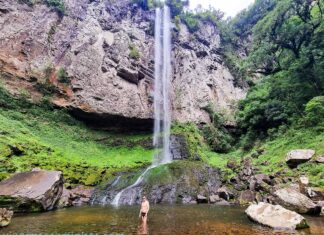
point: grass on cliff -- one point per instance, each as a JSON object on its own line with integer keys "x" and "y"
{"x": 41, "y": 136}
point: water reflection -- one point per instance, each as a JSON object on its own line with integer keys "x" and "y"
{"x": 163, "y": 220}
{"x": 142, "y": 228}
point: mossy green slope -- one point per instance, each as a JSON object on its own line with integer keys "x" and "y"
{"x": 40, "y": 136}
{"x": 272, "y": 158}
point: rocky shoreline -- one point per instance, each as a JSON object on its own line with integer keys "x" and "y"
{"x": 189, "y": 182}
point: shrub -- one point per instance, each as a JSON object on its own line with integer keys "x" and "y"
{"x": 46, "y": 87}
{"x": 216, "y": 135}
{"x": 314, "y": 110}
{"x": 191, "y": 21}
{"x": 134, "y": 53}
{"x": 176, "y": 6}
{"x": 58, "y": 5}
{"x": 62, "y": 76}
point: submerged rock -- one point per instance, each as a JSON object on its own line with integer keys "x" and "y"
{"x": 31, "y": 191}
{"x": 293, "y": 200}
{"x": 5, "y": 217}
{"x": 275, "y": 217}
{"x": 296, "y": 157}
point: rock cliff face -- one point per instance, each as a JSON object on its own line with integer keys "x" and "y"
{"x": 107, "y": 50}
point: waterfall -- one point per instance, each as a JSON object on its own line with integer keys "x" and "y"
{"x": 162, "y": 113}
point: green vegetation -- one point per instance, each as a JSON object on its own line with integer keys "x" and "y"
{"x": 62, "y": 76}
{"x": 269, "y": 155}
{"x": 314, "y": 111}
{"x": 216, "y": 134}
{"x": 287, "y": 49}
{"x": 58, "y": 5}
{"x": 134, "y": 52}
{"x": 193, "y": 137}
{"x": 37, "y": 135}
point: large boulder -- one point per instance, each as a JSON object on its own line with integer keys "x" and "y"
{"x": 5, "y": 217}
{"x": 298, "y": 156}
{"x": 293, "y": 200}
{"x": 31, "y": 191}
{"x": 275, "y": 217}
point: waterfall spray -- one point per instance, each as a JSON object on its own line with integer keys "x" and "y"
{"x": 162, "y": 113}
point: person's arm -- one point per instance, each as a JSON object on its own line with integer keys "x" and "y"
{"x": 147, "y": 207}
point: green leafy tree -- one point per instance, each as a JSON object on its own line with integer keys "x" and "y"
{"x": 314, "y": 111}
{"x": 288, "y": 49}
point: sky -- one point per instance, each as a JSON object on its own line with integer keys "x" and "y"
{"x": 229, "y": 7}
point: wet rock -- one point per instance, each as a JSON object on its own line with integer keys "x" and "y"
{"x": 316, "y": 194}
{"x": 32, "y": 191}
{"x": 296, "y": 157}
{"x": 214, "y": 198}
{"x": 188, "y": 200}
{"x": 293, "y": 200}
{"x": 321, "y": 204}
{"x": 225, "y": 193}
{"x": 246, "y": 197}
{"x": 179, "y": 147}
{"x": 201, "y": 199}
{"x": 81, "y": 195}
{"x": 177, "y": 182}
{"x": 275, "y": 217}
{"x": 222, "y": 203}
{"x": 65, "y": 200}
{"x": 5, "y": 217}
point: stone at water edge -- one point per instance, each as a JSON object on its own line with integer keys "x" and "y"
{"x": 275, "y": 217}
{"x": 32, "y": 191}
{"x": 321, "y": 204}
{"x": 202, "y": 199}
{"x": 299, "y": 156}
{"x": 5, "y": 217}
{"x": 246, "y": 197}
{"x": 293, "y": 200}
{"x": 225, "y": 193}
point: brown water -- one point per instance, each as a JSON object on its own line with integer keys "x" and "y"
{"x": 163, "y": 219}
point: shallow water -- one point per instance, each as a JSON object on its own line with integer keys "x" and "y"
{"x": 163, "y": 219}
